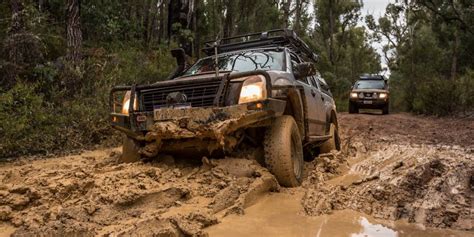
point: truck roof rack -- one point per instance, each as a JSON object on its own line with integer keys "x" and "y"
{"x": 372, "y": 77}
{"x": 272, "y": 38}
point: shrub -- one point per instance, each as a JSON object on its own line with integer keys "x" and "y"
{"x": 26, "y": 122}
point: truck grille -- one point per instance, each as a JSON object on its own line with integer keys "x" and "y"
{"x": 199, "y": 94}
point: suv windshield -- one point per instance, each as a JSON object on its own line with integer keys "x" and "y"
{"x": 240, "y": 62}
{"x": 370, "y": 84}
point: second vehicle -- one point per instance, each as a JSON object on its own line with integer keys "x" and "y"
{"x": 369, "y": 92}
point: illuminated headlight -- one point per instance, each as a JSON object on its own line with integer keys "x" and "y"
{"x": 253, "y": 89}
{"x": 354, "y": 95}
{"x": 383, "y": 95}
{"x": 126, "y": 103}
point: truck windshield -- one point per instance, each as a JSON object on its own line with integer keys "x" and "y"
{"x": 370, "y": 84}
{"x": 240, "y": 62}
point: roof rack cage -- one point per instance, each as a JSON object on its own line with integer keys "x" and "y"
{"x": 372, "y": 77}
{"x": 272, "y": 38}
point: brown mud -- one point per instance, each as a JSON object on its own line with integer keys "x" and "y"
{"x": 91, "y": 194}
{"x": 397, "y": 168}
{"x": 400, "y": 167}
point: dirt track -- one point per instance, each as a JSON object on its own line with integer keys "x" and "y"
{"x": 391, "y": 167}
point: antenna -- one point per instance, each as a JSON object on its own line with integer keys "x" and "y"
{"x": 216, "y": 52}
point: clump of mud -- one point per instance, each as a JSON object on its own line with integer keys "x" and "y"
{"x": 91, "y": 195}
{"x": 425, "y": 184}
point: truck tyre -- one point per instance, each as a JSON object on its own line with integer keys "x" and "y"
{"x": 334, "y": 143}
{"x": 385, "y": 109}
{"x": 130, "y": 151}
{"x": 353, "y": 108}
{"x": 284, "y": 151}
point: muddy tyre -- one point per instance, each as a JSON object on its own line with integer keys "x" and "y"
{"x": 385, "y": 109}
{"x": 334, "y": 143}
{"x": 284, "y": 151}
{"x": 130, "y": 151}
{"x": 353, "y": 108}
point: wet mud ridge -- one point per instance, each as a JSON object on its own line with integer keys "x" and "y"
{"x": 92, "y": 195}
{"x": 391, "y": 167}
{"x": 397, "y": 167}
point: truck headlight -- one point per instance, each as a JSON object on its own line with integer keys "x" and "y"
{"x": 126, "y": 103}
{"x": 253, "y": 89}
{"x": 383, "y": 95}
{"x": 354, "y": 95}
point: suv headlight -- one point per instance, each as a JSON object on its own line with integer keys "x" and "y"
{"x": 354, "y": 95}
{"x": 253, "y": 89}
{"x": 383, "y": 95}
{"x": 126, "y": 103}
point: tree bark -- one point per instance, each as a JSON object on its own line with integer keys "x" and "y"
{"x": 74, "y": 33}
{"x": 146, "y": 21}
{"x": 197, "y": 36}
{"x": 331, "y": 32}
{"x": 229, "y": 19}
{"x": 162, "y": 30}
{"x": 454, "y": 60}
{"x": 297, "y": 24}
{"x": 286, "y": 13}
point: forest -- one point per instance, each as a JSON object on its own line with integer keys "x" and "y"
{"x": 59, "y": 59}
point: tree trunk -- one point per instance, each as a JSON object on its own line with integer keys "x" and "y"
{"x": 454, "y": 59}
{"x": 229, "y": 19}
{"x": 286, "y": 13}
{"x": 74, "y": 33}
{"x": 197, "y": 36}
{"x": 152, "y": 32}
{"x": 146, "y": 21}
{"x": 297, "y": 23}
{"x": 331, "y": 32}
{"x": 162, "y": 31}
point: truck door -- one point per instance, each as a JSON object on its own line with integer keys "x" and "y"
{"x": 326, "y": 94}
{"x": 315, "y": 113}
{"x": 318, "y": 106}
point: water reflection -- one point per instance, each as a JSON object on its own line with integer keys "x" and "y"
{"x": 280, "y": 214}
{"x": 374, "y": 230}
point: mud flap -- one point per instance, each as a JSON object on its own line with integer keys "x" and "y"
{"x": 130, "y": 150}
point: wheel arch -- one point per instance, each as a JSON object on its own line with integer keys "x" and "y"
{"x": 331, "y": 117}
{"x": 295, "y": 108}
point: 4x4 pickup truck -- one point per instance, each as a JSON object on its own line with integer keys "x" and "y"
{"x": 252, "y": 91}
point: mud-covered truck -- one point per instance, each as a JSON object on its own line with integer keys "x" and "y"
{"x": 257, "y": 92}
{"x": 369, "y": 92}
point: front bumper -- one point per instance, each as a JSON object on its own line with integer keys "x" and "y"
{"x": 203, "y": 123}
{"x": 369, "y": 102}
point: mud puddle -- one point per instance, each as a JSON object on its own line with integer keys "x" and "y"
{"x": 281, "y": 214}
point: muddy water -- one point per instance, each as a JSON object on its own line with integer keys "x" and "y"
{"x": 281, "y": 214}
{"x": 6, "y": 230}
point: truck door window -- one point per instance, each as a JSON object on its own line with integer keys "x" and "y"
{"x": 323, "y": 84}
{"x": 313, "y": 82}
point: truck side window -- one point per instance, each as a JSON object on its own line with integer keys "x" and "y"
{"x": 313, "y": 82}
{"x": 294, "y": 61}
{"x": 324, "y": 85}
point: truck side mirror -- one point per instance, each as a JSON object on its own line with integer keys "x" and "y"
{"x": 305, "y": 69}
{"x": 180, "y": 56}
